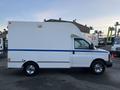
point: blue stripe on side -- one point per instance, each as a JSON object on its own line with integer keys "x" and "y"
{"x": 45, "y": 50}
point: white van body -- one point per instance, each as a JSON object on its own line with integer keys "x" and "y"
{"x": 50, "y": 45}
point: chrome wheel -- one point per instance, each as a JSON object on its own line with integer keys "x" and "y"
{"x": 30, "y": 69}
{"x": 98, "y": 68}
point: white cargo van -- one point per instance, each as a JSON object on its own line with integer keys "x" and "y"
{"x": 34, "y": 45}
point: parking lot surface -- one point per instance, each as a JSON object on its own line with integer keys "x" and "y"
{"x": 59, "y": 79}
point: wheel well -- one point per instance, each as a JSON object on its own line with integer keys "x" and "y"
{"x": 98, "y": 59}
{"x": 29, "y": 62}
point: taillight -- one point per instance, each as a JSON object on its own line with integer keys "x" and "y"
{"x": 113, "y": 55}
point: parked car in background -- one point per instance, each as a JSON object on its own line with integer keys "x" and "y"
{"x": 115, "y": 49}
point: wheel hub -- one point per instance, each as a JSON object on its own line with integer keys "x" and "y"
{"x": 98, "y": 68}
{"x": 30, "y": 69}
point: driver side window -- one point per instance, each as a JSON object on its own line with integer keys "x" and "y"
{"x": 80, "y": 44}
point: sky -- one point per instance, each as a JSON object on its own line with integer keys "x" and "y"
{"x": 100, "y": 14}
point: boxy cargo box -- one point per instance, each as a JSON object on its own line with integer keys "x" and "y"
{"x": 34, "y": 45}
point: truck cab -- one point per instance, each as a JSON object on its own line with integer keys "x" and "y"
{"x": 82, "y": 56}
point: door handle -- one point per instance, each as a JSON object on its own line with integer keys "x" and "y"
{"x": 73, "y": 52}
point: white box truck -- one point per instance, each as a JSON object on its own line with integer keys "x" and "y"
{"x": 35, "y": 45}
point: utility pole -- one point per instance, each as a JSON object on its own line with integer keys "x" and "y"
{"x": 110, "y": 34}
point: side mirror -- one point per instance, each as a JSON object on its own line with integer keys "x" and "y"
{"x": 91, "y": 46}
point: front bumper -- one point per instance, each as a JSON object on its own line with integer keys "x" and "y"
{"x": 108, "y": 64}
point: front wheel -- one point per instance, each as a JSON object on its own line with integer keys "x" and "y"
{"x": 98, "y": 67}
{"x": 30, "y": 69}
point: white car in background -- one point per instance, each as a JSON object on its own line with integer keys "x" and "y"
{"x": 115, "y": 49}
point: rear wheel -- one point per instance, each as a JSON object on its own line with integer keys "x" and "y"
{"x": 98, "y": 67}
{"x": 30, "y": 69}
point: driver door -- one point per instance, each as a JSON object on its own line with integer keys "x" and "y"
{"x": 82, "y": 55}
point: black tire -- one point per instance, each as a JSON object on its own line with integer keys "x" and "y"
{"x": 30, "y": 69}
{"x": 97, "y": 67}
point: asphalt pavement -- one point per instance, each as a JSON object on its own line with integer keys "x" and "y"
{"x": 59, "y": 79}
